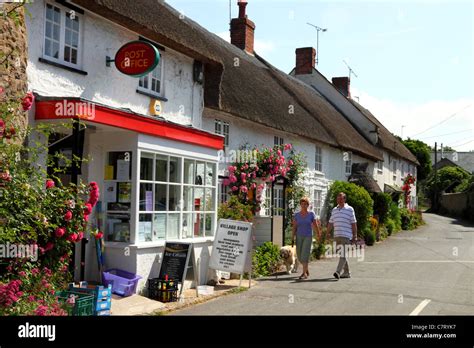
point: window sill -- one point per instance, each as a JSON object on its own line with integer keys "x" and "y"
{"x": 159, "y": 244}
{"x": 63, "y": 66}
{"x": 151, "y": 95}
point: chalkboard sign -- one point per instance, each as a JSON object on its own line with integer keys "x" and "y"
{"x": 175, "y": 261}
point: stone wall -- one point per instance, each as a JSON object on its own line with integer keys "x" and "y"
{"x": 458, "y": 204}
{"x": 13, "y": 56}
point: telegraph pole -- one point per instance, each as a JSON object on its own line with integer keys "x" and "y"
{"x": 435, "y": 203}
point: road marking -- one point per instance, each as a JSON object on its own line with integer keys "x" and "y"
{"x": 420, "y": 307}
{"x": 422, "y": 261}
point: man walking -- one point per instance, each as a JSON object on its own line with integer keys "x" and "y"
{"x": 344, "y": 222}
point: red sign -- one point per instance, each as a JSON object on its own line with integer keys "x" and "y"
{"x": 137, "y": 58}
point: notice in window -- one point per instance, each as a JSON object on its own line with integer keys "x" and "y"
{"x": 110, "y": 192}
{"x": 123, "y": 170}
{"x": 125, "y": 192}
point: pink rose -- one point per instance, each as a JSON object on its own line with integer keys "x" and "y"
{"x": 79, "y": 237}
{"x": 243, "y": 189}
{"x": 234, "y": 188}
{"x": 290, "y": 162}
{"x": 226, "y": 182}
{"x": 88, "y": 209}
{"x": 233, "y": 178}
{"x": 22, "y": 274}
{"x": 60, "y": 231}
{"x": 243, "y": 177}
{"x": 49, "y": 246}
{"x": 68, "y": 216}
{"x": 27, "y": 101}
{"x": 72, "y": 237}
{"x": 85, "y": 217}
{"x": 99, "y": 235}
{"x": 49, "y": 184}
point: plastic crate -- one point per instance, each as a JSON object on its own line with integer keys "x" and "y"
{"x": 83, "y": 302}
{"x": 123, "y": 283}
{"x": 102, "y": 295}
{"x": 163, "y": 290}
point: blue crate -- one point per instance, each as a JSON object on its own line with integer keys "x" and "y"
{"x": 102, "y": 313}
{"x": 102, "y": 296}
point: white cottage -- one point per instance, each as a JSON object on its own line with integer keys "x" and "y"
{"x": 157, "y": 170}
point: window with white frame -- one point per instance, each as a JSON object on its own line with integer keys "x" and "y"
{"x": 348, "y": 162}
{"x": 177, "y": 197}
{"x": 62, "y": 35}
{"x": 403, "y": 172}
{"x": 394, "y": 170}
{"x": 380, "y": 166}
{"x": 222, "y": 128}
{"x": 278, "y": 141}
{"x": 278, "y": 207}
{"x": 317, "y": 202}
{"x": 268, "y": 201}
{"x": 318, "y": 159}
{"x": 153, "y": 82}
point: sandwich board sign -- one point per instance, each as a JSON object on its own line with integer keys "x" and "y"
{"x": 232, "y": 248}
{"x": 175, "y": 261}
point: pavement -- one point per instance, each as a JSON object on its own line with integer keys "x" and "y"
{"x": 428, "y": 271}
{"x": 140, "y": 305}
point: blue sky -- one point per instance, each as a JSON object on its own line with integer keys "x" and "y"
{"x": 413, "y": 59}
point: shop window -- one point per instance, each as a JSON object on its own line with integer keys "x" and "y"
{"x": 177, "y": 197}
{"x": 223, "y": 192}
{"x": 118, "y": 195}
{"x": 62, "y": 35}
{"x": 152, "y": 82}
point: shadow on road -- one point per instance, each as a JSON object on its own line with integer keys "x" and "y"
{"x": 315, "y": 280}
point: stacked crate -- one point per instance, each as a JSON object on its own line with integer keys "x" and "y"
{"x": 102, "y": 296}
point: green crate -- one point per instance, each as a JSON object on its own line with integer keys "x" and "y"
{"x": 84, "y": 303}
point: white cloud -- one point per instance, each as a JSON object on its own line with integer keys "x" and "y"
{"x": 262, "y": 47}
{"x": 416, "y": 118}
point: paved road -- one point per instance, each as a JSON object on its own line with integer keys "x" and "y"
{"x": 429, "y": 271}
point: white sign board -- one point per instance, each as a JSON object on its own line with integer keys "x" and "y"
{"x": 232, "y": 247}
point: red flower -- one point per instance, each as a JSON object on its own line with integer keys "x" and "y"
{"x": 49, "y": 246}
{"x": 88, "y": 209}
{"x": 49, "y": 184}
{"x": 72, "y": 237}
{"x": 60, "y": 231}
{"x": 85, "y": 217}
{"x": 27, "y": 101}
{"x": 99, "y": 235}
{"x": 79, "y": 237}
{"x": 68, "y": 216}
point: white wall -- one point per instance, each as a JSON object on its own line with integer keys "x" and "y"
{"x": 107, "y": 85}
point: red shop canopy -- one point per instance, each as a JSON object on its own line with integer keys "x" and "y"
{"x": 53, "y": 108}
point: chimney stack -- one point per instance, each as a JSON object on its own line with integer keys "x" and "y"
{"x": 342, "y": 84}
{"x": 305, "y": 60}
{"x": 242, "y": 30}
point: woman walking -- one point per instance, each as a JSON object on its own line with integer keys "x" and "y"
{"x": 304, "y": 223}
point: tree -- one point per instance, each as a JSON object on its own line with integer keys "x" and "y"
{"x": 447, "y": 177}
{"x": 421, "y": 151}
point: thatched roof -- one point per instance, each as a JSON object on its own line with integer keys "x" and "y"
{"x": 359, "y": 176}
{"x": 253, "y": 90}
{"x": 386, "y": 139}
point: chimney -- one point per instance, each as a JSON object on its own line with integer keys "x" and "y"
{"x": 342, "y": 84}
{"x": 305, "y": 60}
{"x": 242, "y": 30}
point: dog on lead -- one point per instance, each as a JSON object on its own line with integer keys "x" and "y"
{"x": 288, "y": 255}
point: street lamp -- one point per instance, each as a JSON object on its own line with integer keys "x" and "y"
{"x": 317, "y": 39}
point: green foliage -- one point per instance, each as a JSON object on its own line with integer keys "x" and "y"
{"x": 369, "y": 235}
{"x": 447, "y": 176}
{"x": 319, "y": 246}
{"x": 265, "y": 260}
{"x": 390, "y": 225}
{"x": 357, "y": 197}
{"x": 395, "y": 216}
{"x": 422, "y": 153}
{"x": 410, "y": 219}
{"x": 382, "y": 205}
{"x": 465, "y": 185}
{"x": 233, "y": 209}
